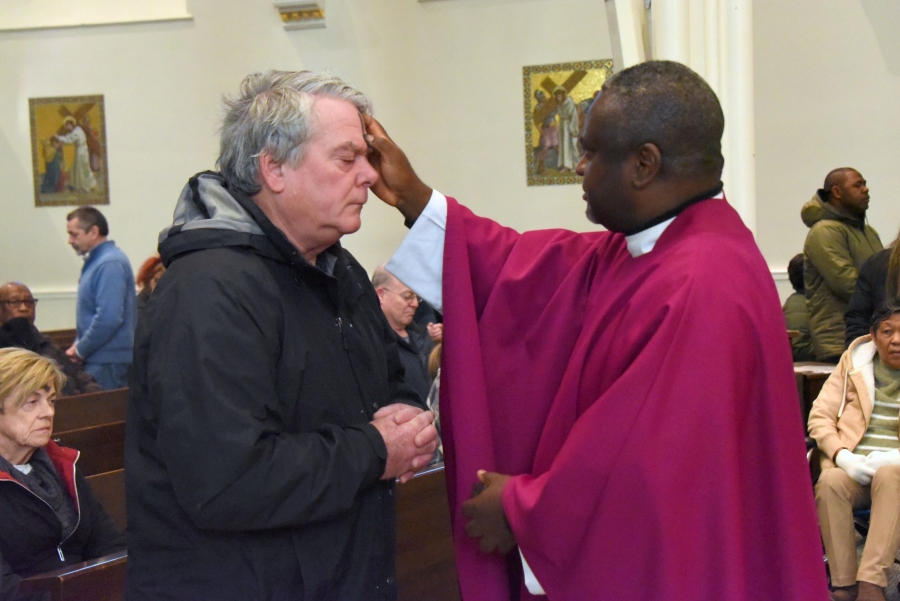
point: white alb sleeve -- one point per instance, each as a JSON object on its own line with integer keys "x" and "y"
{"x": 419, "y": 261}
{"x": 531, "y": 582}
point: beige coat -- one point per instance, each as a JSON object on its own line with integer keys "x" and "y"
{"x": 840, "y": 415}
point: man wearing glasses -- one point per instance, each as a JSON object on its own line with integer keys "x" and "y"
{"x": 399, "y": 305}
{"x": 17, "y": 314}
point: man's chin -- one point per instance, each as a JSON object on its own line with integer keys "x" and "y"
{"x": 590, "y": 215}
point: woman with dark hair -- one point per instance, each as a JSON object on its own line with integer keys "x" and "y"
{"x": 854, "y": 424}
{"x": 49, "y": 517}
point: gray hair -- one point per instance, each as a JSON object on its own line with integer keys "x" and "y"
{"x": 382, "y": 277}
{"x": 272, "y": 113}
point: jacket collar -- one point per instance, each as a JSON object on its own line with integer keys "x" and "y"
{"x": 63, "y": 460}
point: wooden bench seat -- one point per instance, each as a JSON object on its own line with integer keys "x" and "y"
{"x": 101, "y": 579}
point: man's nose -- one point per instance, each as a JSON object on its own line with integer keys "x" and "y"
{"x": 579, "y": 168}
{"x": 367, "y": 175}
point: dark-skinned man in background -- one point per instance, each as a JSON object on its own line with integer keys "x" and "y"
{"x": 838, "y": 243}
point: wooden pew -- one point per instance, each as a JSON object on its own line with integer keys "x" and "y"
{"x": 109, "y": 488}
{"x": 101, "y": 579}
{"x": 426, "y": 566}
{"x": 95, "y": 425}
{"x": 62, "y": 339}
{"x": 810, "y": 376}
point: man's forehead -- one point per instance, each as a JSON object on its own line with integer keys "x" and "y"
{"x": 9, "y": 290}
{"x": 339, "y": 133}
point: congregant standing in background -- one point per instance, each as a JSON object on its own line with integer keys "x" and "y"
{"x": 105, "y": 311}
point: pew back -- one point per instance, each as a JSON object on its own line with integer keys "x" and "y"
{"x": 109, "y": 488}
{"x": 95, "y": 425}
{"x": 61, "y": 339}
{"x": 426, "y": 565}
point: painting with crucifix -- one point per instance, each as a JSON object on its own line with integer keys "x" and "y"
{"x": 557, "y": 99}
{"x": 68, "y": 151}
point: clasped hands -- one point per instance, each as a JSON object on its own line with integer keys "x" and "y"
{"x": 862, "y": 468}
{"x": 410, "y": 438}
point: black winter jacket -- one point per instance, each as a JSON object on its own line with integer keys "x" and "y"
{"x": 252, "y": 471}
{"x": 31, "y": 539}
{"x": 414, "y": 357}
{"x": 868, "y": 295}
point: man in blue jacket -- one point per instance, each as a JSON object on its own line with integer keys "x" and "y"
{"x": 105, "y": 311}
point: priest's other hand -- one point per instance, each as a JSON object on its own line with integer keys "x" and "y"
{"x": 488, "y": 523}
{"x": 855, "y": 466}
{"x": 410, "y": 439}
{"x": 397, "y": 185}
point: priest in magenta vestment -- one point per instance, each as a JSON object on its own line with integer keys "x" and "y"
{"x": 630, "y": 393}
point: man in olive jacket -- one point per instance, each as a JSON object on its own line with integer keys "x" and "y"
{"x": 838, "y": 243}
{"x": 268, "y": 416}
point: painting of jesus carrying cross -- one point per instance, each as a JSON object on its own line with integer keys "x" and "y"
{"x": 557, "y": 99}
{"x": 68, "y": 147}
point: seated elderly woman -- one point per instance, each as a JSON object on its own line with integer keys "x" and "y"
{"x": 48, "y": 516}
{"x": 855, "y": 424}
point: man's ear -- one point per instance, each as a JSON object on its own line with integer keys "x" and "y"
{"x": 271, "y": 173}
{"x": 835, "y": 192}
{"x": 647, "y": 161}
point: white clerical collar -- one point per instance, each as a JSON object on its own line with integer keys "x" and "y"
{"x": 643, "y": 242}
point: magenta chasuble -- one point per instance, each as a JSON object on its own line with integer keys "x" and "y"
{"x": 646, "y": 407}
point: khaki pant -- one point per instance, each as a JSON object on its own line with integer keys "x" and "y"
{"x": 837, "y": 495}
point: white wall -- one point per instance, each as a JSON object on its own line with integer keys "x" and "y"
{"x": 445, "y": 78}
{"x": 827, "y": 81}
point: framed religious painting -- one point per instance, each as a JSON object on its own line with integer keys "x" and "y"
{"x": 557, "y": 99}
{"x": 68, "y": 151}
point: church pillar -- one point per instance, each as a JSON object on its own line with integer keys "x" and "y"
{"x": 714, "y": 38}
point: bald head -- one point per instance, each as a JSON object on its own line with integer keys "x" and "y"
{"x": 398, "y": 302}
{"x": 16, "y": 300}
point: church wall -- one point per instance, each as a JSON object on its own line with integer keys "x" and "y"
{"x": 827, "y": 81}
{"x": 444, "y": 76}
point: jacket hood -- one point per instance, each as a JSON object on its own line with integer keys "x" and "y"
{"x": 209, "y": 215}
{"x": 817, "y": 209}
{"x": 862, "y": 351}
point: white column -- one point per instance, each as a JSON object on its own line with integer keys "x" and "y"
{"x": 627, "y": 31}
{"x": 715, "y": 38}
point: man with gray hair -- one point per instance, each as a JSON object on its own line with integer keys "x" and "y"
{"x": 269, "y": 417}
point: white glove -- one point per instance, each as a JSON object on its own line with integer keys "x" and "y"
{"x": 876, "y": 459}
{"x": 855, "y": 466}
